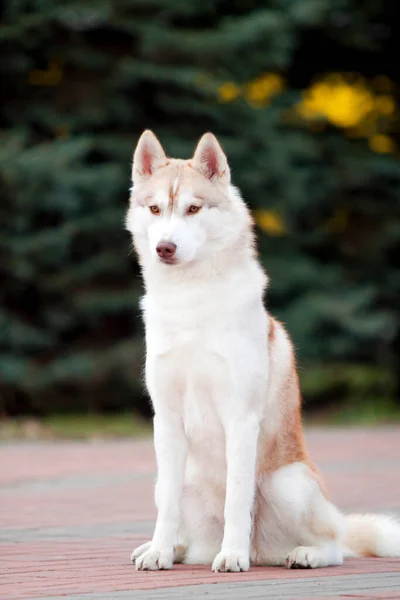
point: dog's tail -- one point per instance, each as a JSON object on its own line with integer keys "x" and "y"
{"x": 372, "y": 535}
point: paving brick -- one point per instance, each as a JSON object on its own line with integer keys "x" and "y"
{"x": 70, "y": 514}
{"x": 319, "y": 588}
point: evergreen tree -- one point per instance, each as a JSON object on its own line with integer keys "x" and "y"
{"x": 313, "y": 153}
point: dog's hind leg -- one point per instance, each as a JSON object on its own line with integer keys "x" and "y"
{"x": 327, "y": 554}
{"x": 295, "y": 525}
{"x": 202, "y": 525}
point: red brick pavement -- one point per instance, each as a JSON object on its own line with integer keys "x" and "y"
{"x": 70, "y": 513}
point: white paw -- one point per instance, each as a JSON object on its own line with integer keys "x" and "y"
{"x": 154, "y": 560}
{"x": 305, "y": 557}
{"x": 230, "y": 562}
{"x": 139, "y": 551}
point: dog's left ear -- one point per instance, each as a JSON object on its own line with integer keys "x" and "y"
{"x": 210, "y": 159}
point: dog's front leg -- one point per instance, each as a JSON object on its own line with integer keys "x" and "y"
{"x": 241, "y": 452}
{"x": 171, "y": 452}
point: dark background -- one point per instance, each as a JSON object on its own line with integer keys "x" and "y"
{"x": 303, "y": 97}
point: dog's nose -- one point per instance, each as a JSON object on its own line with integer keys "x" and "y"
{"x": 166, "y": 250}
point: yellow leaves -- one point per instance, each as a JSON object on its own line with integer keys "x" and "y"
{"x": 385, "y": 105}
{"x": 350, "y": 103}
{"x": 257, "y": 93}
{"x": 381, "y": 144}
{"x": 228, "y": 92}
{"x": 342, "y": 104}
{"x": 47, "y": 77}
{"x": 361, "y": 108}
{"x": 270, "y": 221}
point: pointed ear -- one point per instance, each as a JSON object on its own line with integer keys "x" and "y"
{"x": 148, "y": 157}
{"x": 210, "y": 160}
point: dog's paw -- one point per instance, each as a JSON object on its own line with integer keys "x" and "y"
{"x": 305, "y": 557}
{"x": 154, "y": 560}
{"x": 230, "y": 562}
{"x": 139, "y": 551}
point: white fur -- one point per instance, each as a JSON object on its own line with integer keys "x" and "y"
{"x": 175, "y": 185}
{"x": 292, "y": 501}
{"x": 213, "y": 395}
{"x": 377, "y": 535}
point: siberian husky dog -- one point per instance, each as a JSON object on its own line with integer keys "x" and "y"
{"x": 235, "y": 484}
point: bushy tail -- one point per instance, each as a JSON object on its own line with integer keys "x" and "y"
{"x": 372, "y": 535}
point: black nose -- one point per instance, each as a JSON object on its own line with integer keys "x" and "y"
{"x": 166, "y": 250}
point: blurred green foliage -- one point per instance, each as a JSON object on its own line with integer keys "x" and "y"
{"x": 75, "y": 426}
{"x": 81, "y": 80}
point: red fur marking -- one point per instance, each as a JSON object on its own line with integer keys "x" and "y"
{"x": 271, "y": 333}
{"x": 287, "y": 445}
{"x": 147, "y": 161}
{"x": 174, "y": 193}
{"x": 209, "y": 161}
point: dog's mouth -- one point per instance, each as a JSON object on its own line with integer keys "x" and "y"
{"x": 168, "y": 261}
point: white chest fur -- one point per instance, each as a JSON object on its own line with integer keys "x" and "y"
{"x": 205, "y": 343}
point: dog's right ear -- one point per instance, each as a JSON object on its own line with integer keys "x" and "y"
{"x": 148, "y": 156}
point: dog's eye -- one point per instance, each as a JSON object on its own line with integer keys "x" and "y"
{"x": 192, "y": 210}
{"x": 155, "y": 209}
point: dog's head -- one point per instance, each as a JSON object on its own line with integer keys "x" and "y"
{"x": 184, "y": 211}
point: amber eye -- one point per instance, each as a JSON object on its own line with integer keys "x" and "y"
{"x": 155, "y": 209}
{"x": 192, "y": 210}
